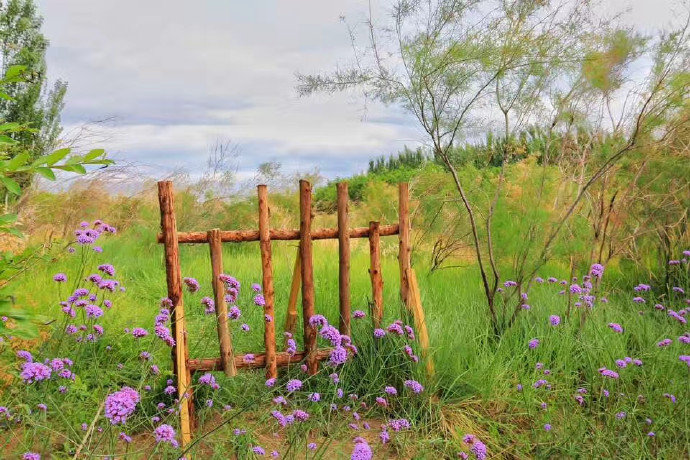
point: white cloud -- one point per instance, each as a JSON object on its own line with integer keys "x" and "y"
{"x": 179, "y": 75}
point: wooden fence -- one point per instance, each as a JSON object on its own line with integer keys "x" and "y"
{"x": 303, "y": 276}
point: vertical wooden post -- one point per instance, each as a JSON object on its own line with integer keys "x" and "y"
{"x": 291, "y": 318}
{"x": 224, "y": 338}
{"x": 375, "y": 273}
{"x": 267, "y": 271}
{"x": 305, "y": 250}
{"x": 404, "y": 249}
{"x": 173, "y": 273}
{"x": 420, "y": 322}
{"x": 344, "y": 257}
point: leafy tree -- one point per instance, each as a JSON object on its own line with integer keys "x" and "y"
{"x": 455, "y": 64}
{"x": 30, "y": 102}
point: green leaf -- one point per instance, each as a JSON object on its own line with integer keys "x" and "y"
{"x": 79, "y": 169}
{"x": 14, "y": 72}
{"x": 93, "y": 154}
{"x": 6, "y": 139}
{"x": 10, "y": 127}
{"x": 11, "y": 185}
{"x": 45, "y": 172}
{"x": 52, "y": 158}
{"x": 17, "y": 161}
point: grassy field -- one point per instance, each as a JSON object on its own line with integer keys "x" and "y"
{"x": 474, "y": 391}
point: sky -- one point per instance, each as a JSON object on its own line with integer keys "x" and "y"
{"x": 157, "y": 83}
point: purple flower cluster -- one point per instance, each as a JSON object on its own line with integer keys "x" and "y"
{"x": 120, "y": 405}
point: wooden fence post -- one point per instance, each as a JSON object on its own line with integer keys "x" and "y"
{"x": 404, "y": 249}
{"x": 267, "y": 270}
{"x": 291, "y": 318}
{"x": 344, "y": 258}
{"x": 420, "y": 322}
{"x": 224, "y": 337}
{"x": 173, "y": 272}
{"x": 375, "y": 273}
{"x": 305, "y": 249}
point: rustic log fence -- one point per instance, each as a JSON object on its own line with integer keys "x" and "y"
{"x": 303, "y": 276}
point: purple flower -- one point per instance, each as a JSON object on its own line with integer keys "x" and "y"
{"x": 670, "y": 397}
{"x": 234, "y": 312}
{"x": 120, "y": 405}
{"x": 399, "y": 424}
{"x": 192, "y": 286}
{"x": 510, "y": 284}
{"x": 338, "y": 356}
{"x": 256, "y": 287}
{"x": 547, "y": 427}
{"x": 318, "y": 321}
{"x": 608, "y": 373}
{"x": 165, "y": 433}
{"x": 414, "y": 385}
{"x": 379, "y": 333}
{"x": 532, "y": 344}
{"x": 60, "y": 277}
{"x": 209, "y": 380}
{"x": 555, "y": 320}
{"x": 638, "y": 300}
{"x": 361, "y": 451}
{"x": 35, "y": 456}
{"x": 621, "y": 415}
{"x": 93, "y": 311}
{"x": 258, "y": 450}
{"x": 249, "y": 358}
{"x": 25, "y": 355}
{"x": 616, "y": 327}
{"x": 35, "y": 372}
{"x": 396, "y": 328}
{"x": 271, "y": 382}
{"x": 391, "y": 391}
{"x": 293, "y": 385}
{"x": 314, "y": 397}
{"x": 300, "y": 415}
{"x": 139, "y": 332}
{"x": 596, "y": 270}
{"x": 664, "y": 343}
{"x": 107, "y": 269}
{"x": 259, "y": 300}
{"x": 245, "y": 327}
{"x": 209, "y": 304}
{"x": 358, "y": 314}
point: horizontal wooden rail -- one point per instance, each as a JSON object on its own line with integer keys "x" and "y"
{"x": 238, "y": 236}
{"x": 282, "y": 359}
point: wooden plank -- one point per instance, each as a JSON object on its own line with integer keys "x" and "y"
{"x": 166, "y": 200}
{"x": 224, "y": 336}
{"x": 404, "y": 247}
{"x": 375, "y": 273}
{"x": 259, "y": 361}
{"x": 305, "y": 249}
{"x": 239, "y": 236}
{"x": 267, "y": 282}
{"x": 420, "y": 322}
{"x": 343, "y": 258}
{"x": 291, "y": 317}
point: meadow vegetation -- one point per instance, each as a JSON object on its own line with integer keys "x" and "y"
{"x": 552, "y": 251}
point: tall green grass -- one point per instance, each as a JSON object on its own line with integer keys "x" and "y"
{"x": 477, "y": 373}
